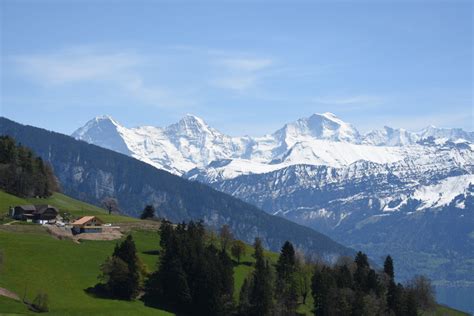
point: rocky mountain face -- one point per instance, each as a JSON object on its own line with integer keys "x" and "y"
{"x": 387, "y": 191}
{"x": 91, "y": 173}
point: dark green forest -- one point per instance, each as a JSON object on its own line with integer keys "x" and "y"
{"x": 195, "y": 276}
{"x": 22, "y": 173}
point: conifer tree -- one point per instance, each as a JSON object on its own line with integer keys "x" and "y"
{"x": 321, "y": 284}
{"x": 121, "y": 272}
{"x": 286, "y": 288}
{"x": 388, "y": 267}
{"x": 261, "y": 294}
{"x": 148, "y": 212}
{"x": 361, "y": 273}
{"x": 244, "y": 297}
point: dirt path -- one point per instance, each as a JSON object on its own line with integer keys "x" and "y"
{"x": 9, "y": 223}
{"x": 10, "y": 294}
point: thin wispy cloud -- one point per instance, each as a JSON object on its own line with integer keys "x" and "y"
{"x": 125, "y": 70}
{"x": 75, "y": 65}
{"x": 245, "y": 64}
{"x": 241, "y": 73}
{"x": 120, "y": 70}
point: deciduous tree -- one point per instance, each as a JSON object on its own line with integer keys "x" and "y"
{"x": 238, "y": 249}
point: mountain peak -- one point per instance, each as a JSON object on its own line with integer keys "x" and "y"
{"x": 103, "y": 131}
{"x": 328, "y": 115}
{"x": 191, "y": 118}
{"x": 103, "y": 119}
{"x": 320, "y": 126}
{"x": 190, "y": 125}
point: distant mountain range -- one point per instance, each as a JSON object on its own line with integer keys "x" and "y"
{"x": 321, "y": 139}
{"x": 91, "y": 173}
{"x": 390, "y": 190}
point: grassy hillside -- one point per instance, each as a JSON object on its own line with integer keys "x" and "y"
{"x": 37, "y": 262}
{"x": 64, "y": 204}
{"x": 34, "y": 262}
{"x": 442, "y": 310}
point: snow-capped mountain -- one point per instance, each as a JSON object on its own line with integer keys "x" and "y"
{"x": 177, "y": 148}
{"x": 321, "y": 139}
{"x": 375, "y": 191}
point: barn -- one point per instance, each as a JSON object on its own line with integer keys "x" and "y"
{"x": 41, "y": 214}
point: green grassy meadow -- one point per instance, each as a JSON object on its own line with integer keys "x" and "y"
{"x": 34, "y": 261}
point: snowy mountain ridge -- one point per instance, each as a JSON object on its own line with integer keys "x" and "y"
{"x": 321, "y": 139}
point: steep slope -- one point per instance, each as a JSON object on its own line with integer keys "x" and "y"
{"x": 90, "y": 173}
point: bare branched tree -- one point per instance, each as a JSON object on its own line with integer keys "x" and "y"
{"x": 111, "y": 205}
{"x": 226, "y": 237}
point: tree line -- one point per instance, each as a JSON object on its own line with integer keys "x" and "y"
{"x": 22, "y": 173}
{"x": 195, "y": 276}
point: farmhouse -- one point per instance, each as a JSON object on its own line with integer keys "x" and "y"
{"x": 87, "y": 224}
{"x": 41, "y": 214}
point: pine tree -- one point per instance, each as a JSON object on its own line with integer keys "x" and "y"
{"x": 286, "y": 264}
{"x": 148, "y": 212}
{"x": 343, "y": 277}
{"x": 410, "y": 305}
{"x": 244, "y": 298}
{"x": 388, "y": 267}
{"x": 286, "y": 288}
{"x": 361, "y": 273}
{"x": 261, "y": 297}
{"x": 115, "y": 275}
{"x": 121, "y": 272}
{"x": 321, "y": 285}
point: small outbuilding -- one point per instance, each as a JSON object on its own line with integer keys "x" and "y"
{"x": 87, "y": 224}
{"x": 41, "y": 214}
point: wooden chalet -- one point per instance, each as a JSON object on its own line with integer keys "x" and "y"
{"x": 87, "y": 224}
{"x": 41, "y": 214}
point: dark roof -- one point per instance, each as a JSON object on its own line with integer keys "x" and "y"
{"x": 27, "y": 207}
{"x": 37, "y": 209}
{"x": 40, "y": 209}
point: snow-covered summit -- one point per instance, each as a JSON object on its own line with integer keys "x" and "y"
{"x": 389, "y": 136}
{"x": 191, "y": 126}
{"x": 320, "y": 139}
{"x": 103, "y": 131}
{"x": 319, "y": 126}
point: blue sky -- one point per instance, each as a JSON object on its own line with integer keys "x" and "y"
{"x": 245, "y": 67}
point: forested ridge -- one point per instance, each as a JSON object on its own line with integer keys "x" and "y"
{"x": 23, "y": 173}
